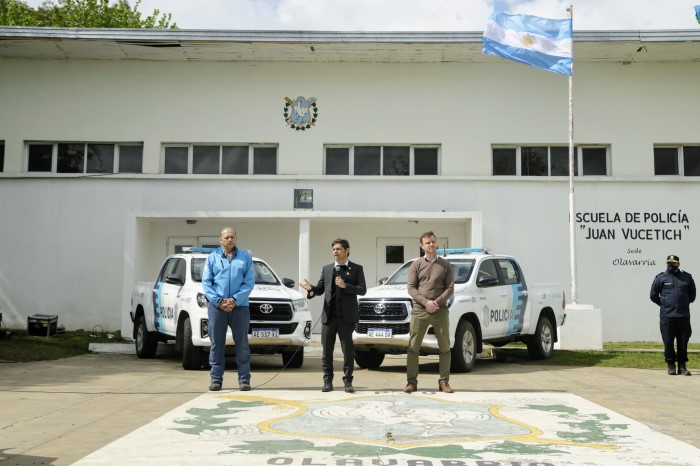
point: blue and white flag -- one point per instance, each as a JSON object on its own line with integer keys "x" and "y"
{"x": 540, "y": 42}
{"x": 697, "y": 13}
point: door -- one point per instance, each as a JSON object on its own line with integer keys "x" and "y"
{"x": 175, "y": 244}
{"x": 495, "y": 301}
{"x": 166, "y": 295}
{"x": 392, "y": 253}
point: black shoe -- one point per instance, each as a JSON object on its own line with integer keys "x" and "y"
{"x": 349, "y": 388}
{"x": 327, "y": 387}
{"x": 672, "y": 368}
{"x": 215, "y": 386}
{"x": 244, "y": 386}
{"x": 682, "y": 370}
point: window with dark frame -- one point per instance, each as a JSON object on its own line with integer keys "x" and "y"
{"x": 2, "y": 156}
{"x": 81, "y": 157}
{"x": 548, "y": 161}
{"x": 405, "y": 160}
{"x": 203, "y": 159}
{"x": 691, "y": 160}
{"x": 678, "y": 160}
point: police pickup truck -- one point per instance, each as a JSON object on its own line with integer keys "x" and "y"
{"x": 492, "y": 304}
{"x": 173, "y": 309}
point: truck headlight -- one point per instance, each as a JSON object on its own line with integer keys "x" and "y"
{"x": 201, "y": 300}
{"x": 300, "y": 305}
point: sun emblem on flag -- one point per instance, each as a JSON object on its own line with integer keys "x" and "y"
{"x": 528, "y": 41}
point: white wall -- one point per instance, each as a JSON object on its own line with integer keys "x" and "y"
{"x": 67, "y": 242}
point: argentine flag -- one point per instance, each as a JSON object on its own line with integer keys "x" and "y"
{"x": 540, "y": 42}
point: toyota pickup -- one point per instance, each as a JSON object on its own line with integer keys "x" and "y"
{"x": 492, "y": 303}
{"x": 173, "y": 309}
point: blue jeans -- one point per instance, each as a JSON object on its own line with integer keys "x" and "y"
{"x": 219, "y": 321}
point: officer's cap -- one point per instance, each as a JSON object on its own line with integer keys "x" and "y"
{"x": 673, "y": 260}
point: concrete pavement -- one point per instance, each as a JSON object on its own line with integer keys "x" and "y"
{"x": 56, "y": 412}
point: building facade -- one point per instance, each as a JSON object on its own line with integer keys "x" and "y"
{"x": 121, "y": 146}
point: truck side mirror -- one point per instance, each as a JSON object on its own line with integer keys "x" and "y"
{"x": 486, "y": 280}
{"x": 288, "y": 282}
{"x": 383, "y": 280}
{"x": 175, "y": 279}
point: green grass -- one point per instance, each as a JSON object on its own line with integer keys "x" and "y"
{"x": 24, "y": 348}
{"x": 639, "y": 355}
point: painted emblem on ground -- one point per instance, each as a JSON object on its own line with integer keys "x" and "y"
{"x": 303, "y": 428}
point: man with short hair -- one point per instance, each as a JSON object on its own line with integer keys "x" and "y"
{"x": 673, "y": 290}
{"x": 228, "y": 279}
{"x": 431, "y": 284}
{"x": 340, "y": 284}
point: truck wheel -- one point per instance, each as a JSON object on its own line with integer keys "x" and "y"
{"x": 191, "y": 355}
{"x": 146, "y": 342}
{"x": 541, "y": 344}
{"x": 293, "y": 359}
{"x": 370, "y": 359}
{"x": 464, "y": 351}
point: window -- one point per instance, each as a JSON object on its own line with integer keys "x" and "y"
{"x": 215, "y": 160}
{"x": 509, "y": 274}
{"x": 548, "y": 161}
{"x": 81, "y": 157}
{"x": 2, "y": 156}
{"x": 381, "y": 160}
{"x": 683, "y": 160}
{"x": 394, "y": 255}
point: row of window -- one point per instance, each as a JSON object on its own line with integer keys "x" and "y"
{"x": 549, "y": 161}
{"x": 378, "y": 160}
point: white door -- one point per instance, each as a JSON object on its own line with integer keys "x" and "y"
{"x": 393, "y": 252}
{"x": 175, "y": 244}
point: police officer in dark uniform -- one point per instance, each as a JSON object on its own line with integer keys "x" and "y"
{"x": 673, "y": 291}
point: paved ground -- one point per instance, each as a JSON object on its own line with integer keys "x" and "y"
{"x": 56, "y": 412}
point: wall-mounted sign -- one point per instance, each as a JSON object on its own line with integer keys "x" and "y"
{"x": 300, "y": 113}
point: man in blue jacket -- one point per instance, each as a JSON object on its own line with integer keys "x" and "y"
{"x": 228, "y": 278}
{"x": 673, "y": 291}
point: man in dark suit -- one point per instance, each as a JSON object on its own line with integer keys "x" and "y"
{"x": 340, "y": 284}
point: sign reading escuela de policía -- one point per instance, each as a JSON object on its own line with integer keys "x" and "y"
{"x": 301, "y": 113}
{"x": 644, "y": 228}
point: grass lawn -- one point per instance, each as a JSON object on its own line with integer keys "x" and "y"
{"x": 24, "y": 348}
{"x": 642, "y": 355}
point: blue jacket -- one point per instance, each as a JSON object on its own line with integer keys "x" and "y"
{"x": 673, "y": 292}
{"x": 224, "y": 278}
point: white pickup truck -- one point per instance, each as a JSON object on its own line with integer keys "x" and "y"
{"x": 492, "y": 304}
{"x": 173, "y": 309}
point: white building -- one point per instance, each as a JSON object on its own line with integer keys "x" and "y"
{"x": 118, "y": 146}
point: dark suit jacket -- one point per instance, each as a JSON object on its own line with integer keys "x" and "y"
{"x": 355, "y": 285}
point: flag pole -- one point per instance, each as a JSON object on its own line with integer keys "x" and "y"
{"x": 572, "y": 195}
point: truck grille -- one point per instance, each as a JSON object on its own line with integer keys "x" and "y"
{"x": 277, "y": 310}
{"x": 396, "y": 329}
{"x": 383, "y": 310}
{"x": 285, "y": 329}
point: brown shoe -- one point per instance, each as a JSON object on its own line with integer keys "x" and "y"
{"x": 444, "y": 387}
{"x": 410, "y": 387}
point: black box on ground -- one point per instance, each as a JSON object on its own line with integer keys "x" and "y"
{"x": 42, "y": 325}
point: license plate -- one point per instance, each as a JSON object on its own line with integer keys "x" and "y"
{"x": 266, "y": 333}
{"x": 379, "y": 332}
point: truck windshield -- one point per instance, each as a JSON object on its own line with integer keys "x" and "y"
{"x": 263, "y": 274}
{"x": 462, "y": 269}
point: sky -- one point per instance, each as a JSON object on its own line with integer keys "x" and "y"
{"x": 415, "y": 15}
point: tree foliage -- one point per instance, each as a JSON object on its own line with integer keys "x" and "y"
{"x": 81, "y": 14}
